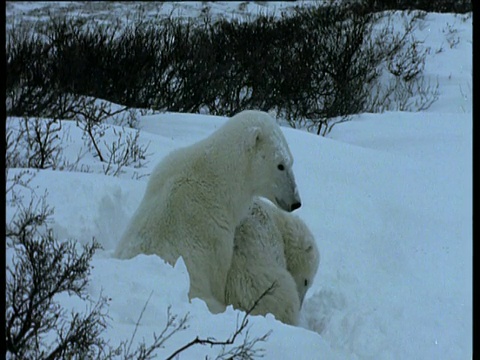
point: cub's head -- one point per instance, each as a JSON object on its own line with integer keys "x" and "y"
{"x": 270, "y": 160}
{"x": 301, "y": 253}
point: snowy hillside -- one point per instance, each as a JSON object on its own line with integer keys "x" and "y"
{"x": 388, "y": 197}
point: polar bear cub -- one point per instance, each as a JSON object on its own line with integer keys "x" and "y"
{"x": 197, "y": 195}
{"x": 271, "y": 246}
{"x": 301, "y": 251}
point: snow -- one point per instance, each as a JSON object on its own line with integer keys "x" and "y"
{"x": 388, "y": 197}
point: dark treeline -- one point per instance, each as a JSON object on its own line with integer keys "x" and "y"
{"x": 318, "y": 63}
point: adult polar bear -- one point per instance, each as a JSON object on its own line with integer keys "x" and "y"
{"x": 197, "y": 195}
{"x": 271, "y": 246}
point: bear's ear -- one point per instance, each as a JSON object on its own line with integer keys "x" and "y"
{"x": 253, "y": 137}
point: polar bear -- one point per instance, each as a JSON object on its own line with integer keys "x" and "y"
{"x": 301, "y": 251}
{"x": 271, "y": 246}
{"x": 197, "y": 195}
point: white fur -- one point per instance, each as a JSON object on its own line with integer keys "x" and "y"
{"x": 197, "y": 195}
{"x": 301, "y": 251}
{"x": 271, "y": 245}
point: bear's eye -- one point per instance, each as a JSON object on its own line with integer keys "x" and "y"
{"x": 306, "y": 282}
{"x": 280, "y": 167}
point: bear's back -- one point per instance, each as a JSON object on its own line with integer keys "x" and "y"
{"x": 257, "y": 237}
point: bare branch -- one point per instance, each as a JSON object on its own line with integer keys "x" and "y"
{"x": 138, "y": 321}
{"x": 238, "y": 330}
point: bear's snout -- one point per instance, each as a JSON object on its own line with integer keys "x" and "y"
{"x": 295, "y": 206}
{"x": 287, "y": 206}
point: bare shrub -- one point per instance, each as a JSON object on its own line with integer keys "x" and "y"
{"x": 40, "y": 269}
{"x": 39, "y": 143}
{"x": 124, "y": 151}
{"x": 34, "y": 143}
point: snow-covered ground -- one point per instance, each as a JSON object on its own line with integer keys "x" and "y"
{"x": 388, "y": 197}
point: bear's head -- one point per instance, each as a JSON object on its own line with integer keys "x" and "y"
{"x": 271, "y": 160}
{"x": 301, "y": 253}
